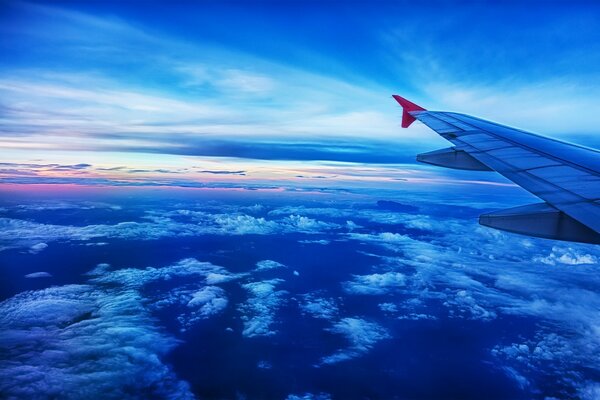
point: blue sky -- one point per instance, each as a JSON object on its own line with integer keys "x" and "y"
{"x": 106, "y": 83}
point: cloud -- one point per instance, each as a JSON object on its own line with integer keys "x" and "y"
{"x": 214, "y": 278}
{"x": 82, "y": 341}
{"x": 480, "y": 274}
{"x": 589, "y": 391}
{"x": 36, "y": 248}
{"x": 65, "y": 205}
{"x": 319, "y": 241}
{"x": 241, "y": 224}
{"x": 99, "y": 269}
{"x": 362, "y": 336}
{"x": 65, "y": 307}
{"x": 388, "y": 307}
{"x": 375, "y": 284}
{"x": 306, "y": 225}
{"x": 72, "y": 167}
{"x": 453, "y": 268}
{"x": 223, "y": 172}
{"x": 245, "y": 224}
{"x": 127, "y": 113}
{"x": 462, "y": 304}
{"x": 210, "y": 300}
{"x": 318, "y": 307}
{"x": 521, "y": 381}
{"x": 309, "y": 396}
{"x": 258, "y": 312}
{"x": 189, "y": 301}
{"x": 567, "y": 256}
{"x": 417, "y": 317}
{"x": 217, "y": 100}
{"x": 556, "y": 358}
{"x": 391, "y": 240}
{"x": 167, "y": 225}
{"x": 136, "y": 278}
{"x": 240, "y": 80}
{"x": 263, "y": 364}
{"x": 39, "y": 275}
{"x": 265, "y": 265}
{"x": 333, "y": 212}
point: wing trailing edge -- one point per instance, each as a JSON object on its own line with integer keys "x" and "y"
{"x": 453, "y": 158}
{"x": 540, "y": 220}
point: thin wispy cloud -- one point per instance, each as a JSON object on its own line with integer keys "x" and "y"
{"x": 102, "y": 90}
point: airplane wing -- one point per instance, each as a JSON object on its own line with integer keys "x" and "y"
{"x": 565, "y": 176}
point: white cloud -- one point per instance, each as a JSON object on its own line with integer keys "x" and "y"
{"x": 245, "y": 225}
{"x": 190, "y": 305}
{"x": 230, "y": 81}
{"x": 39, "y": 275}
{"x": 388, "y": 307}
{"x": 78, "y": 341}
{"x": 214, "y": 278}
{"x": 390, "y": 240}
{"x": 557, "y": 358}
{"x": 65, "y": 205}
{"x": 375, "y": 284}
{"x": 462, "y": 304}
{"x": 568, "y": 256}
{"x": 298, "y": 223}
{"x": 417, "y": 317}
{"x": 521, "y": 381}
{"x": 319, "y": 307}
{"x": 320, "y": 241}
{"x": 23, "y": 233}
{"x": 260, "y": 308}
{"x": 200, "y": 301}
{"x": 245, "y": 81}
{"x": 362, "y": 336}
{"x": 135, "y": 278}
{"x": 36, "y": 248}
{"x": 99, "y": 269}
{"x": 264, "y": 265}
{"x": 351, "y": 225}
{"x": 333, "y": 212}
{"x": 210, "y": 300}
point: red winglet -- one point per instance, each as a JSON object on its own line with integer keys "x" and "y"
{"x": 407, "y": 107}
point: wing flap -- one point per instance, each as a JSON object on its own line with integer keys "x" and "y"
{"x": 540, "y": 220}
{"x": 452, "y": 157}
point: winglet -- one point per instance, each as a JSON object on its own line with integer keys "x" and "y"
{"x": 407, "y": 107}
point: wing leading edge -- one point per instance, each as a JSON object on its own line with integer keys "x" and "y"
{"x": 565, "y": 176}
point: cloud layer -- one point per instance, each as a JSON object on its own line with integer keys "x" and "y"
{"x": 80, "y": 341}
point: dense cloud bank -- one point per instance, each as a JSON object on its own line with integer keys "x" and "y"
{"x": 101, "y": 336}
{"x": 80, "y": 341}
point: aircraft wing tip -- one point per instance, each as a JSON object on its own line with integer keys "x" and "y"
{"x": 407, "y": 108}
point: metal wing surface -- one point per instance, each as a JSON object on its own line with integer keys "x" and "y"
{"x": 565, "y": 176}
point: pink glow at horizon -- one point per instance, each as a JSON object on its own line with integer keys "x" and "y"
{"x": 118, "y": 170}
{"x": 78, "y": 172}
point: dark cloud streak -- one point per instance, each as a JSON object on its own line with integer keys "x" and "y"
{"x": 360, "y": 151}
